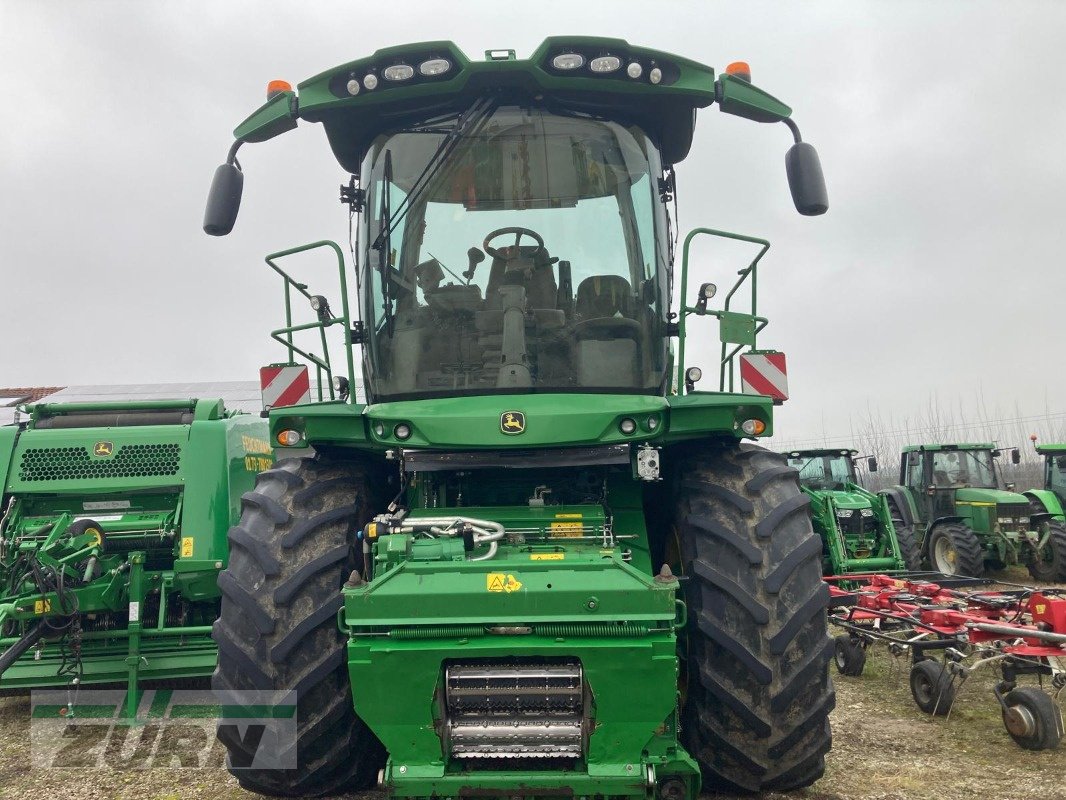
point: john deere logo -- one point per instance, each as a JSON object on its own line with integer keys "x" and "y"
{"x": 513, "y": 422}
{"x": 103, "y": 449}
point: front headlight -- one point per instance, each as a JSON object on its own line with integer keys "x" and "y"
{"x": 867, "y": 512}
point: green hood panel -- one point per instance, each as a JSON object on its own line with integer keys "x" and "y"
{"x": 849, "y": 500}
{"x": 997, "y": 496}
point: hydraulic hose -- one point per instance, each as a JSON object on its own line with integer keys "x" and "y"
{"x": 28, "y": 640}
{"x": 484, "y": 531}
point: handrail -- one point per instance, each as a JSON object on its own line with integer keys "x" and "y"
{"x": 726, "y": 361}
{"x": 284, "y": 336}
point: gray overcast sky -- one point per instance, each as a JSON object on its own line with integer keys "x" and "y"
{"x": 937, "y": 270}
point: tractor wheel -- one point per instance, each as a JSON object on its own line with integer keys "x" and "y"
{"x": 932, "y": 688}
{"x": 1048, "y": 564}
{"x": 1032, "y": 719}
{"x": 292, "y": 549}
{"x": 908, "y": 547}
{"x": 954, "y": 549}
{"x": 757, "y": 694}
{"x": 849, "y": 655}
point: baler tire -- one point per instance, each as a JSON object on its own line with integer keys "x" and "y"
{"x": 756, "y": 687}
{"x": 932, "y": 688}
{"x": 908, "y": 547}
{"x": 294, "y": 546}
{"x": 1046, "y": 720}
{"x": 1054, "y": 569}
{"x": 849, "y": 655}
{"x": 970, "y": 558}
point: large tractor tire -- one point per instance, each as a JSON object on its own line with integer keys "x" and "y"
{"x": 954, "y": 549}
{"x": 1048, "y": 564}
{"x": 908, "y": 547}
{"x": 293, "y": 548}
{"x": 906, "y": 535}
{"x": 755, "y": 683}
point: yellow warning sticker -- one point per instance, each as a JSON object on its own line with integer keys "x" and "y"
{"x": 547, "y": 556}
{"x": 42, "y": 606}
{"x": 186, "y": 546}
{"x": 1039, "y": 608}
{"x": 499, "y": 582}
{"x": 566, "y": 530}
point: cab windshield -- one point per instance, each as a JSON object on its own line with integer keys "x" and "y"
{"x": 831, "y": 472}
{"x": 963, "y": 468}
{"x": 531, "y": 259}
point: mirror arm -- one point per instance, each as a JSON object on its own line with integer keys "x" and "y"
{"x": 792, "y": 126}
{"x": 231, "y": 156}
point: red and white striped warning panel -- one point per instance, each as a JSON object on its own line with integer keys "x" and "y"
{"x": 284, "y": 385}
{"x": 764, "y": 373}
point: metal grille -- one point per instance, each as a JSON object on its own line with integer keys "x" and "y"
{"x": 857, "y": 525}
{"x": 1012, "y": 509}
{"x": 501, "y": 712}
{"x": 76, "y": 463}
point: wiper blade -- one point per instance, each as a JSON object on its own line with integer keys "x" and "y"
{"x": 468, "y": 120}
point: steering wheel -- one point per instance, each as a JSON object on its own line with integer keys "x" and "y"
{"x": 519, "y": 233}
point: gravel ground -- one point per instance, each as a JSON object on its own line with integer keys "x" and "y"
{"x": 883, "y": 749}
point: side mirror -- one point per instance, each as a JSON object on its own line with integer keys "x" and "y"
{"x": 805, "y": 180}
{"x": 930, "y": 489}
{"x": 1010, "y": 487}
{"x": 871, "y": 464}
{"x": 224, "y": 200}
{"x": 1015, "y": 456}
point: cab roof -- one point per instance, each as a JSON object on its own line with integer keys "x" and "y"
{"x": 914, "y": 448}
{"x": 664, "y": 108}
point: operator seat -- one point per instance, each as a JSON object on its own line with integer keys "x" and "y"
{"x": 607, "y": 338}
{"x": 523, "y": 268}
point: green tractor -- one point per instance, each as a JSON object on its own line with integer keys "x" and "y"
{"x": 855, "y": 524}
{"x": 533, "y": 560}
{"x": 113, "y": 535}
{"x": 950, "y": 494}
{"x": 1049, "y": 501}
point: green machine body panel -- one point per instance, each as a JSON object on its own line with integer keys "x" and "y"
{"x": 123, "y": 508}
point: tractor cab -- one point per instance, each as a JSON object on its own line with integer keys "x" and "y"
{"x": 512, "y": 266}
{"x": 946, "y": 478}
{"x": 829, "y": 469}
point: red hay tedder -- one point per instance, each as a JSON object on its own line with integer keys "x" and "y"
{"x": 1022, "y": 632}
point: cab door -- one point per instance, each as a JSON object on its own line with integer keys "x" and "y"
{"x": 915, "y": 478}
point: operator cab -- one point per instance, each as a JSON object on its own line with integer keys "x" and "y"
{"x": 521, "y": 250}
{"x": 826, "y": 470}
